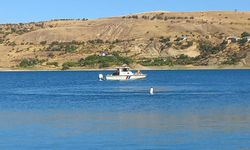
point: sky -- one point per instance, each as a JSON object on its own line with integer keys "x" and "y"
{"x": 15, "y": 11}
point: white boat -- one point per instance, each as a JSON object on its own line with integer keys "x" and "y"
{"x": 123, "y": 73}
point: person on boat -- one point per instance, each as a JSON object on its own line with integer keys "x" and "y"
{"x": 116, "y": 73}
{"x": 138, "y": 72}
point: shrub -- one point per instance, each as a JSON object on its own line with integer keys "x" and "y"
{"x": 245, "y": 34}
{"x": 145, "y": 17}
{"x": 164, "y": 39}
{"x": 96, "y": 41}
{"x": 116, "y": 41}
{"x": 179, "y": 17}
{"x": 63, "y": 46}
{"x": 172, "y": 17}
{"x": 122, "y": 60}
{"x": 183, "y": 60}
{"x": 135, "y": 17}
{"x": 70, "y": 48}
{"x": 242, "y": 41}
{"x": 157, "y": 62}
{"x": 189, "y": 43}
{"x": 153, "y": 18}
{"x": 104, "y": 61}
{"x": 207, "y": 48}
{"x": 222, "y": 45}
{"x": 104, "y": 65}
{"x": 67, "y": 65}
{"x": 52, "y": 64}
{"x": 51, "y": 55}
{"x": 90, "y": 60}
{"x": 70, "y": 64}
{"x": 179, "y": 39}
{"x": 13, "y": 30}
{"x": 159, "y": 17}
{"x": 43, "y": 42}
{"x": 30, "y": 62}
{"x": 1, "y": 41}
{"x": 234, "y": 59}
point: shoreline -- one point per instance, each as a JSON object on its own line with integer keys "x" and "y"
{"x": 153, "y": 68}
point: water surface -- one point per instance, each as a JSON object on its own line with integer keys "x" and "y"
{"x": 73, "y": 110}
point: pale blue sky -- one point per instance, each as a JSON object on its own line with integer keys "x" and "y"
{"x": 13, "y": 11}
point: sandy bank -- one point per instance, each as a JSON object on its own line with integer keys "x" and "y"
{"x": 137, "y": 67}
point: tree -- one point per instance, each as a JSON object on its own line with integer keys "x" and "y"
{"x": 30, "y": 62}
{"x": 67, "y": 65}
{"x": 242, "y": 41}
{"x": 43, "y": 42}
{"x": 207, "y": 47}
{"x": 245, "y": 34}
{"x": 164, "y": 40}
{"x": 183, "y": 60}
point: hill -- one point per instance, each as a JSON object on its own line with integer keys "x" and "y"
{"x": 140, "y": 40}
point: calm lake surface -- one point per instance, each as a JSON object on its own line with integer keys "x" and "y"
{"x": 73, "y": 110}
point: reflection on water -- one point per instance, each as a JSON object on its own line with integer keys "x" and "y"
{"x": 82, "y": 121}
{"x": 147, "y": 129}
{"x": 72, "y": 110}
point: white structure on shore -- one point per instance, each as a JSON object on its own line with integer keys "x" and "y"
{"x": 232, "y": 39}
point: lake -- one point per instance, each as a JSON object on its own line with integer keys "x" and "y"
{"x": 202, "y": 109}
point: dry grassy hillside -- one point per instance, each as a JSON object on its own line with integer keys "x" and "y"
{"x": 153, "y": 38}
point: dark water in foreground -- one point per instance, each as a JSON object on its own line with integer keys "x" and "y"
{"x": 73, "y": 110}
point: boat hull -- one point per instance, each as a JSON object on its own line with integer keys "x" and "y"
{"x": 125, "y": 77}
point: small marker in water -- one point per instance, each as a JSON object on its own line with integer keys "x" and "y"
{"x": 151, "y": 91}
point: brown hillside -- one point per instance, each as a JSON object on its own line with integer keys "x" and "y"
{"x": 137, "y": 35}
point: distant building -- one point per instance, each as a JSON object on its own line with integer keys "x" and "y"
{"x": 232, "y": 39}
{"x": 103, "y": 53}
{"x": 182, "y": 38}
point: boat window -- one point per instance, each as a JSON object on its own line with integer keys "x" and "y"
{"x": 116, "y": 72}
{"x": 125, "y": 69}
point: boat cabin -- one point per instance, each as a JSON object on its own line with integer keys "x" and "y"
{"x": 122, "y": 71}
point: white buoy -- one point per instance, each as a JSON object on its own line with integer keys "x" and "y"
{"x": 101, "y": 78}
{"x": 151, "y": 91}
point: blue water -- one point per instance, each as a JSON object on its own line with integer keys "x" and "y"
{"x": 73, "y": 110}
